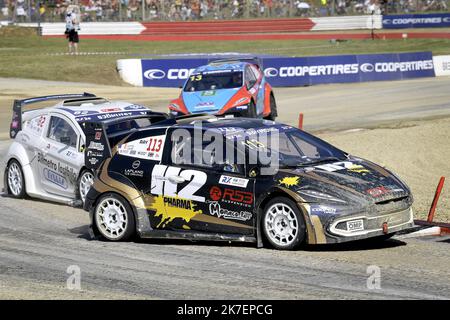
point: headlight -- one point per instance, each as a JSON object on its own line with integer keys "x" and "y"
{"x": 319, "y": 196}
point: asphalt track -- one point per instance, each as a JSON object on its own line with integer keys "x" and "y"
{"x": 40, "y": 240}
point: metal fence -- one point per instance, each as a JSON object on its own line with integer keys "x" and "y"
{"x": 191, "y": 10}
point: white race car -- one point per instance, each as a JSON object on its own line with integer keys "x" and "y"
{"x": 47, "y": 157}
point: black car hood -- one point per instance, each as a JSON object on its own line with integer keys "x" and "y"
{"x": 351, "y": 180}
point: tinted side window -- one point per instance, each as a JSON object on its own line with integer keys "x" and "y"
{"x": 250, "y": 77}
{"x": 204, "y": 154}
{"x": 60, "y": 130}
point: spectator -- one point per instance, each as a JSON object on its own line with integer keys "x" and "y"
{"x": 21, "y": 14}
{"x": 72, "y": 28}
{"x": 42, "y": 12}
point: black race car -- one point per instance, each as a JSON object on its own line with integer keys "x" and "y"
{"x": 237, "y": 179}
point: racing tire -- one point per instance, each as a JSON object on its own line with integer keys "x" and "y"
{"x": 84, "y": 183}
{"x": 273, "y": 109}
{"x": 114, "y": 218}
{"x": 251, "y": 111}
{"x": 15, "y": 180}
{"x": 283, "y": 224}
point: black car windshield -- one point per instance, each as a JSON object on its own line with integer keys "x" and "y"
{"x": 214, "y": 81}
{"x": 291, "y": 146}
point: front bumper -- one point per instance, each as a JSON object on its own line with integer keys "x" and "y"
{"x": 341, "y": 229}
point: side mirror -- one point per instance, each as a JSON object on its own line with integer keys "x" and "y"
{"x": 82, "y": 148}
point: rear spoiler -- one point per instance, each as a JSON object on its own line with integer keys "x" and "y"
{"x": 98, "y": 147}
{"x": 16, "y": 122}
{"x": 254, "y": 60}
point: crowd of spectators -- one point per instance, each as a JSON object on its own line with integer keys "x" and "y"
{"x": 176, "y": 10}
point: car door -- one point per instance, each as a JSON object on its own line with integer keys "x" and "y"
{"x": 58, "y": 158}
{"x": 217, "y": 189}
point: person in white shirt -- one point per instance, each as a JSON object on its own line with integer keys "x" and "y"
{"x": 72, "y": 28}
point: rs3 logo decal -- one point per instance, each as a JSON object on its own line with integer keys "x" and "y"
{"x": 165, "y": 182}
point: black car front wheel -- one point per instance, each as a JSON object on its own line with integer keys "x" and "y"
{"x": 114, "y": 218}
{"x": 283, "y": 224}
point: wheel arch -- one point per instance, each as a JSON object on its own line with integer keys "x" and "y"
{"x": 17, "y": 152}
{"x": 93, "y": 206}
{"x": 289, "y": 194}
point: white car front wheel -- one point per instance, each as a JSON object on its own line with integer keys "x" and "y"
{"x": 84, "y": 183}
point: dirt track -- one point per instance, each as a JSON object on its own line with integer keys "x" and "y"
{"x": 39, "y": 240}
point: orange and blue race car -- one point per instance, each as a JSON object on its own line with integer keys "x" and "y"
{"x": 227, "y": 87}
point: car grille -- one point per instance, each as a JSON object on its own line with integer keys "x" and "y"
{"x": 372, "y": 223}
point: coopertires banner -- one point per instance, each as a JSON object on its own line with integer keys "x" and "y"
{"x": 407, "y": 21}
{"x": 288, "y": 72}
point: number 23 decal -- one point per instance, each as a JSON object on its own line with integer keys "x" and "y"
{"x": 164, "y": 177}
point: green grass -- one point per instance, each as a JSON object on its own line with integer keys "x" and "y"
{"x": 25, "y": 55}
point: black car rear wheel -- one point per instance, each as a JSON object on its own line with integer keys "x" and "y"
{"x": 114, "y": 218}
{"x": 283, "y": 224}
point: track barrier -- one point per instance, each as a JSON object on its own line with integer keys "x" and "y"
{"x": 172, "y": 71}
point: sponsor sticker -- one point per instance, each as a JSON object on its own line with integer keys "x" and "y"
{"x": 377, "y": 192}
{"x": 110, "y": 109}
{"x": 243, "y": 198}
{"x": 209, "y": 93}
{"x": 55, "y": 178}
{"x": 217, "y": 210}
{"x": 342, "y": 165}
{"x": 355, "y": 225}
{"x": 134, "y": 172}
{"x": 62, "y": 169}
{"x": 150, "y": 148}
{"x": 233, "y": 181}
{"x": 322, "y": 210}
{"x": 96, "y": 146}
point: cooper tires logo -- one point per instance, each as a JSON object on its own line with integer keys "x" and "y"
{"x": 271, "y": 72}
{"x": 154, "y": 74}
{"x": 367, "y": 67}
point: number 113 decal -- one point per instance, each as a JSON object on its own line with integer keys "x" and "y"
{"x": 165, "y": 180}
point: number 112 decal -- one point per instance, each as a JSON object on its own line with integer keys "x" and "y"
{"x": 165, "y": 180}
